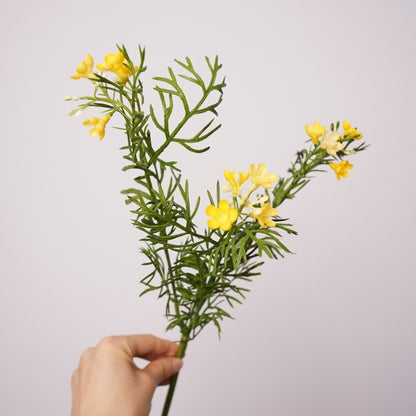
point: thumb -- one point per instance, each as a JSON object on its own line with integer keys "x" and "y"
{"x": 162, "y": 369}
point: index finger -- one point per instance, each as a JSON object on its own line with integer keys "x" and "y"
{"x": 148, "y": 347}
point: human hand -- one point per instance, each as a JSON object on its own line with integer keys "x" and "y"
{"x": 107, "y": 381}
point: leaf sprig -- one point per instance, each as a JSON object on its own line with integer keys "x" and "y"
{"x": 197, "y": 272}
{"x": 201, "y": 274}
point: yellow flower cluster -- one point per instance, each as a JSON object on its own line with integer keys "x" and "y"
{"x": 115, "y": 63}
{"x": 260, "y": 177}
{"x": 315, "y": 132}
{"x": 350, "y": 132}
{"x": 224, "y": 216}
{"x": 235, "y": 180}
{"x": 98, "y": 125}
{"x": 263, "y": 214}
{"x": 331, "y": 141}
{"x": 341, "y": 168}
{"x": 84, "y": 69}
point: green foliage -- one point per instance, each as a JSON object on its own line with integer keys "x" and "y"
{"x": 200, "y": 274}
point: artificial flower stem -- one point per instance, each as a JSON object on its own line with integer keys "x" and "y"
{"x": 180, "y": 354}
{"x": 313, "y": 159}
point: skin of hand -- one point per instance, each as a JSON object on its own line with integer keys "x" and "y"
{"x": 108, "y": 382}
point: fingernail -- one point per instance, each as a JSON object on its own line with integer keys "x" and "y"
{"x": 176, "y": 364}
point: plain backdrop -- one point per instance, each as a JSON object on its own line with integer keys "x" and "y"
{"x": 327, "y": 331}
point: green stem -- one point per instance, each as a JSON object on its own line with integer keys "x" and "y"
{"x": 180, "y": 354}
{"x": 312, "y": 160}
{"x": 166, "y": 251}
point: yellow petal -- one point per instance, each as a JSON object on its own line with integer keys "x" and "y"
{"x": 213, "y": 223}
{"x": 233, "y": 215}
{"x": 224, "y": 205}
{"x": 211, "y": 210}
{"x": 261, "y": 170}
{"x": 90, "y": 121}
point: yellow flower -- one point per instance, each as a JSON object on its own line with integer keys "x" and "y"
{"x": 118, "y": 64}
{"x": 330, "y": 142}
{"x": 315, "y": 132}
{"x": 259, "y": 176}
{"x": 351, "y": 132}
{"x": 235, "y": 180}
{"x": 263, "y": 213}
{"x": 99, "y": 125}
{"x": 84, "y": 69}
{"x": 341, "y": 168}
{"x": 223, "y": 216}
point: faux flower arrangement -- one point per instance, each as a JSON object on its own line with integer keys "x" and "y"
{"x": 200, "y": 273}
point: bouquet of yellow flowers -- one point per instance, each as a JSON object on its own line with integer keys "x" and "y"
{"x": 200, "y": 273}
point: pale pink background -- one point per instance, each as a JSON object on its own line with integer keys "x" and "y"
{"x": 328, "y": 331}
